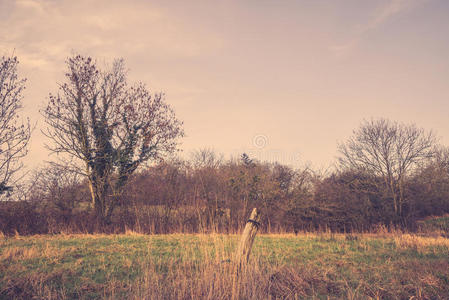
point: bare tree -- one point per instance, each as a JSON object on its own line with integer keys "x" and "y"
{"x": 108, "y": 126}
{"x": 55, "y": 185}
{"x": 389, "y": 150}
{"x": 14, "y": 134}
{"x": 206, "y": 157}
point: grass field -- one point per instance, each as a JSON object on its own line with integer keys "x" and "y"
{"x": 438, "y": 225}
{"x": 307, "y": 266}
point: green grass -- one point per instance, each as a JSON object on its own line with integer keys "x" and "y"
{"x": 193, "y": 266}
{"x": 435, "y": 224}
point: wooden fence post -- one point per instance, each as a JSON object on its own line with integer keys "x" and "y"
{"x": 246, "y": 242}
{"x": 244, "y": 250}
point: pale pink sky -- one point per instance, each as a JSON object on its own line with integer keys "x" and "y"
{"x": 298, "y": 75}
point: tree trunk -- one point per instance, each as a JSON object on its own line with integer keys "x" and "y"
{"x": 99, "y": 205}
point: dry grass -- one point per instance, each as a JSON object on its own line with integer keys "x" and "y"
{"x": 182, "y": 266}
{"x": 420, "y": 243}
{"x": 216, "y": 277}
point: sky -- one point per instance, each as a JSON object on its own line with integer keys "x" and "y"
{"x": 280, "y": 80}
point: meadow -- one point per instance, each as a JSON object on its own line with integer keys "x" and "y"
{"x": 199, "y": 266}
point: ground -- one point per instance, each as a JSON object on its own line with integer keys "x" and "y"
{"x": 199, "y": 266}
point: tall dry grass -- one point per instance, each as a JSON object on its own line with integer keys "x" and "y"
{"x": 216, "y": 276}
{"x": 201, "y": 267}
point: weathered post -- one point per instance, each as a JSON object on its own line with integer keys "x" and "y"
{"x": 244, "y": 250}
{"x": 247, "y": 240}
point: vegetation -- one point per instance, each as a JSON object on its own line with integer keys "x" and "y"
{"x": 107, "y": 128}
{"x": 438, "y": 225}
{"x": 193, "y": 196}
{"x": 116, "y": 172}
{"x": 14, "y": 135}
{"x": 388, "y": 150}
{"x": 392, "y": 179}
{"x": 370, "y": 266}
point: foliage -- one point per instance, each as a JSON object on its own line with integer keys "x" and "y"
{"x": 184, "y": 196}
{"x": 110, "y": 128}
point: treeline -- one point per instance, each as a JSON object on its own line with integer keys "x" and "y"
{"x": 113, "y": 138}
{"x": 207, "y": 193}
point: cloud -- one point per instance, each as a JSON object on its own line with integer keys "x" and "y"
{"x": 51, "y": 30}
{"x": 343, "y": 49}
{"x": 31, "y": 4}
{"x": 388, "y": 11}
{"x": 379, "y": 17}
